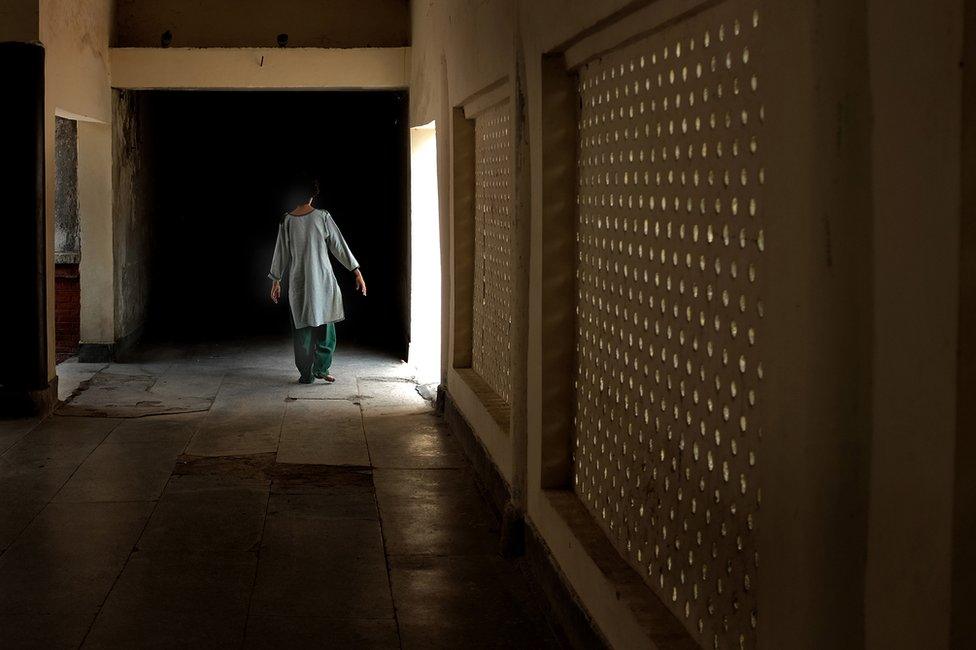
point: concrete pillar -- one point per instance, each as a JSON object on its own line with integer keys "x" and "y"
{"x": 97, "y": 254}
{"x": 462, "y": 262}
{"x": 917, "y": 98}
{"x": 24, "y": 382}
{"x": 814, "y": 455}
{"x": 963, "y": 623}
{"x": 557, "y": 357}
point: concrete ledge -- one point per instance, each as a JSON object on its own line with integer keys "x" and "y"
{"x": 496, "y": 407}
{"x": 109, "y": 352}
{"x": 18, "y": 403}
{"x": 96, "y": 352}
{"x": 492, "y": 482}
{"x": 566, "y": 614}
{"x": 261, "y": 68}
{"x": 126, "y": 345}
{"x": 632, "y": 614}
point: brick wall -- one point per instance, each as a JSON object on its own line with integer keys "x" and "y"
{"x": 67, "y": 310}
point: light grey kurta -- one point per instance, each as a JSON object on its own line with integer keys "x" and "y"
{"x": 302, "y": 251}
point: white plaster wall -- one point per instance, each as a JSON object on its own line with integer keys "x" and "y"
{"x": 95, "y": 211}
{"x": 75, "y": 34}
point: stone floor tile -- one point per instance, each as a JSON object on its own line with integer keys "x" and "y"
{"x": 342, "y": 389}
{"x": 391, "y": 398}
{"x": 325, "y": 503}
{"x": 43, "y": 631}
{"x": 69, "y": 557}
{"x": 434, "y": 512}
{"x": 27, "y": 481}
{"x": 296, "y": 538}
{"x": 210, "y": 520}
{"x": 350, "y": 589}
{"x": 177, "y": 428}
{"x": 466, "y": 602}
{"x": 183, "y": 381}
{"x": 59, "y": 429}
{"x": 216, "y": 486}
{"x": 149, "y": 629}
{"x": 126, "y": 391}
{"x": 400, "y": 484}
{"x": 436, "y": 529}
{"x": 240, "y": 438}
{"x": 174, "y": 582}
{"x": 15, "y": 516}
{"x": 12, "y": 430}
{"x": 308, "y": 633}
{"x": 411, "y": 441}
{"x": 326, "y": 432}
{"x": 268, "y": 380}
{"x": 244, "y": 419}
{"x": 71, "y": 375}
{"x": 147, "y": 367}
{"x": 123, "y": 472}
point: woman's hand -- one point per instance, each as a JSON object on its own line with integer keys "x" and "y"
{"x": 360, "y": 283}
{"x": 275, "y": 291}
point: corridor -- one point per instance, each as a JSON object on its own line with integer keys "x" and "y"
{"x": 199, "y": 497}
{"x": 693, "y": 283}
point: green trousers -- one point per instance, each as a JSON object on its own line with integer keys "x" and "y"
{"x": 313, "y": 350}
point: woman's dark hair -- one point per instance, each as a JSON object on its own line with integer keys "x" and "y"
{"x": 302, "y": 187}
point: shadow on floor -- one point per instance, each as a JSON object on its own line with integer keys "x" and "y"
{"x": 280, "y": 515}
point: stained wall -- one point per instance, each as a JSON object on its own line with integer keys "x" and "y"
{"x": 133, "y": 210}
{"x": 76, "y": 37}
{"x": 255, "y": 23}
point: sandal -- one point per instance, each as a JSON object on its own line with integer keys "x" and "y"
{"x": 328, "y": 378}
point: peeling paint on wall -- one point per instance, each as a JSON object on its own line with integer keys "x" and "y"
{"x": 131, "y": 213}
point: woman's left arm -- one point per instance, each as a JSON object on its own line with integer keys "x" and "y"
{"x": 340, "y": 249}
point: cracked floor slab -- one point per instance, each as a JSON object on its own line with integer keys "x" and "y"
{"x": 330, "y": 515}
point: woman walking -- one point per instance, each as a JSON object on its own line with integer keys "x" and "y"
{"x": 306, "y": 236}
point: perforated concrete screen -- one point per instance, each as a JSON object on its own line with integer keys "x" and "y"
{"x": 493, "y": 227}
{"x": 670, "y": 245}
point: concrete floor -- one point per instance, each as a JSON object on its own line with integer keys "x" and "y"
{"x": 273, "y": 516}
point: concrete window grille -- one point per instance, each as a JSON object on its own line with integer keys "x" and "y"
{"x": 493, "y": 229}
{"x": 670, "y": 248}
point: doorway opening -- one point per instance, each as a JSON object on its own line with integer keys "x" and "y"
{"x": 425, "y": 255}
{"x": 208, "y": 172}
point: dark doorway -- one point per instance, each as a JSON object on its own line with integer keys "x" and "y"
{"x": 222, "y": 161}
